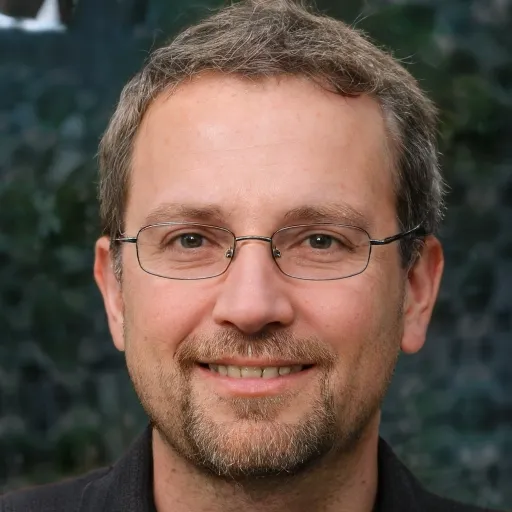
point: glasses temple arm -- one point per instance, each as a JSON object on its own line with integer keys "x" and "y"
{"x": 128, "y": 240}
{"x": 417, "y": 231}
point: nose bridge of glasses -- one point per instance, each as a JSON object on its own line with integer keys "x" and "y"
{"x": 231, "y": 252}
{"x": 253, "y": 237}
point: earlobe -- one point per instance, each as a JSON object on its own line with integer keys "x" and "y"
{"x": 110, "y": 289}
{"x": 422, "y": 288}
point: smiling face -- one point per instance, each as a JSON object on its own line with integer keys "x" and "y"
{"x": 254, "y": 157}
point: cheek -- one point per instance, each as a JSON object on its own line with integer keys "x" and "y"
{"x": 337, "y": 313}
{"x": 161, "y": 311}
{"x": 350, "y": 314}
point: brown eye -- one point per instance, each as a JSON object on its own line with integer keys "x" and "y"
{"x": 320, "y": 241}
{"x": 191, "y": 240}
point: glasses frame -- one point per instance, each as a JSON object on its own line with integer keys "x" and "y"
{"x": 416, "y": 232}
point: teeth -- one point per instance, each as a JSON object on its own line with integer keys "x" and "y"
{"x": 254, "y": 372}
{"x": 270, "y": 372}
{"x": 234, "y": 372}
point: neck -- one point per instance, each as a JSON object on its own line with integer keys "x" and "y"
{"x": 342, "y": 482}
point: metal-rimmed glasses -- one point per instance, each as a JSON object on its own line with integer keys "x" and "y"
{"x": 315, "y": 252}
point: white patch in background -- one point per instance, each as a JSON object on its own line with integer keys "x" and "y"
{"x": 46, "y": 20}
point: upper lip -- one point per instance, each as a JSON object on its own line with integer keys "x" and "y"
{"x": 235, "y": 361}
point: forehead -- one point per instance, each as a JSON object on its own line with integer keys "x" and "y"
{"x": 258, "y": 149}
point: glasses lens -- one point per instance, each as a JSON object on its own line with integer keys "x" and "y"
{"x": 184, "y": 251}
{"x": 322, "y": 252}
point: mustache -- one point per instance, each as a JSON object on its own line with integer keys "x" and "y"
{"x": 271, "y": 345}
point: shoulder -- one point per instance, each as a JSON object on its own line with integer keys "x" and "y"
{"x": 435, "y": 503}
{"x": 428, "y": 501}
{"x": 121, "y": 487}
{"x": 63, "y": 496}
{"x": 401, "y": 491}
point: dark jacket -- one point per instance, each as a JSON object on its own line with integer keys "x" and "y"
{"x": 127, "y": 487}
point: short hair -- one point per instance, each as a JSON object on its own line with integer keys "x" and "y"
{"x": 267, "y": 38}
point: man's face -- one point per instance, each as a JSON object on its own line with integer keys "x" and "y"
{"x": 265, "y": 154}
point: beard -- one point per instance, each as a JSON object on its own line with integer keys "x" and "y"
{"x": 252, "y": 441}
{"x": 254, "y": 444}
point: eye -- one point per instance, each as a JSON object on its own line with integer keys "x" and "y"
{"x": 319, "y": 241}
{"x": 191, "y": 240}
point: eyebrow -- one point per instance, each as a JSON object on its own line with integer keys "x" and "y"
{"x": 166, "y": 212}
{"x": 337, "y": 213}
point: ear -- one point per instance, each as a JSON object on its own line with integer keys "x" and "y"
{"x": 110, "y": 288}
{"x": 422, "y": 287}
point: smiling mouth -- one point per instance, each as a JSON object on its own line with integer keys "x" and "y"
{"x": 254, "y": 372}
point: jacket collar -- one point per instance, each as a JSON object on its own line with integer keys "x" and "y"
{"x": 398, "y": 489}
{"x": 128, "y": 487}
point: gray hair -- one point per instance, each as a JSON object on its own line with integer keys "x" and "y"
{"x": 265, "y": 38}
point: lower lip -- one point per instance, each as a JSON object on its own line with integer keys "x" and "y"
{"x": 254, "y": 387}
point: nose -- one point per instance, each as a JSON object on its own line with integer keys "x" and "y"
{"x": 253, "y": 295}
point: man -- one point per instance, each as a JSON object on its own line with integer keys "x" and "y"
{"x": 269, "y": 192}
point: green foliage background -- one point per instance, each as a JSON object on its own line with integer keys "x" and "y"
{"x": 66, "y": 404}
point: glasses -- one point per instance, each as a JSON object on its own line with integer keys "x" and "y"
{"x": 315, "y": 252}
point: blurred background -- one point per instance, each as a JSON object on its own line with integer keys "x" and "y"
{"x": 66, "y": 404}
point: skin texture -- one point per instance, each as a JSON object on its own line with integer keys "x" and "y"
{"x": 256, "y": 151}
